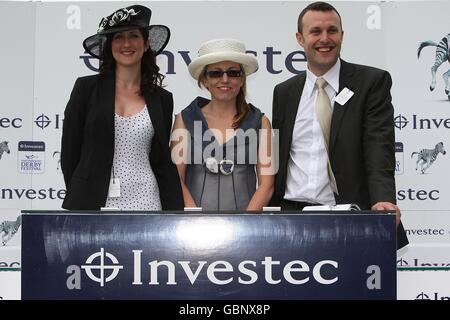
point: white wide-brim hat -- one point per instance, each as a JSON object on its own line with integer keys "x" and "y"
{"x": 222, "y": 50}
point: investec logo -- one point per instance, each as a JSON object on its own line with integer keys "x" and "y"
{"x": 43, "y": 121}
{"x": 431, "y": 296}
{"x": 103, "y": 267}
{"x": 272, "y": 60}
{"x": 113, "y": 269}
{"x": 416, "y": 122}
{"x": 415, "y": 262}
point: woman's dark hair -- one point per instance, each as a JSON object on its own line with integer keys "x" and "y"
{"x": 242, "y": 107}
{"x": 150, "y": 76}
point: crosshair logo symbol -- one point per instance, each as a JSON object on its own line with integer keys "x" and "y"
{"x": 402, "y": 263}
{"x": 400, "y": 122}
{"x": 87, "y": 61}
{"x": 42, "y": 121}
{"x": 422, "y": 296}
{"x": 115, "y": 267}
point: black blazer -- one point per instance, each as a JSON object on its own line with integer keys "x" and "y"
{"x": 362, "y": 137}
{"x": 87, "y": 146}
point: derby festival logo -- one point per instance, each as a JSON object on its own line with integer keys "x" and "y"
{"x": 399, "y": 158}
{"x": 31, "y": 157}
{"x": 100, "y": 268}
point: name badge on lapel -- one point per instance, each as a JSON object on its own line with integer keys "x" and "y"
{"x": 114, "y": 188}
{"x": 344, "y": 96}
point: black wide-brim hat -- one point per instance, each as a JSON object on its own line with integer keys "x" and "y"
{"x": 124, "y": 19}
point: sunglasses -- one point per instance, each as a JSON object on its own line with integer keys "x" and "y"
{"x": 220, "y": 73}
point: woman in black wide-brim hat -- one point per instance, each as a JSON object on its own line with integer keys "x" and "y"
{"x": 115, "y": 140}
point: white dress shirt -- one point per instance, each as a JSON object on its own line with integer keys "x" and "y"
{"x": 307, "y": 175}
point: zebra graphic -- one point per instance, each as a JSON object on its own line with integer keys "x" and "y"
{"x": 442, "y": 55}
{"x": 8, "y": 229}
{"x": 58, "y": 154}
{"x": 428, "y": 156}
{"x": 4, "y": 148}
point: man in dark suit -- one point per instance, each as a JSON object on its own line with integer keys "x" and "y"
{"x": 352, "y": 162}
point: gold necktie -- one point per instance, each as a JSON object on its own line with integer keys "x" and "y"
{"x": 324, "y": 114}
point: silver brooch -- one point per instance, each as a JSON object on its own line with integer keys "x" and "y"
{"x": 225, "y": 166}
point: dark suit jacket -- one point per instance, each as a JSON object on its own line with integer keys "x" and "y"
{"x": 362, "y": 138}
{"x": 87, "y": 147}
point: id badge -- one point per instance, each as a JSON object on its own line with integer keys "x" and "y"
{"x": 114, "y": 188}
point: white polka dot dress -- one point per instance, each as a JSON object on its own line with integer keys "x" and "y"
{"x": 132, "y": 143}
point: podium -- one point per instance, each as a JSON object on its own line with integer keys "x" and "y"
{"x": 212, "y": 256}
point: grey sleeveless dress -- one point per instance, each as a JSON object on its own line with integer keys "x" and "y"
{"x": 221, "y": 177}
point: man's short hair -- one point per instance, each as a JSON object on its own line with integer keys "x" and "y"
{"x": 316, "y": 6}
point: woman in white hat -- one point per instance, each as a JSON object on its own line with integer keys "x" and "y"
{"x": 114, "y": 149}
{"x": 217, "y": 143}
